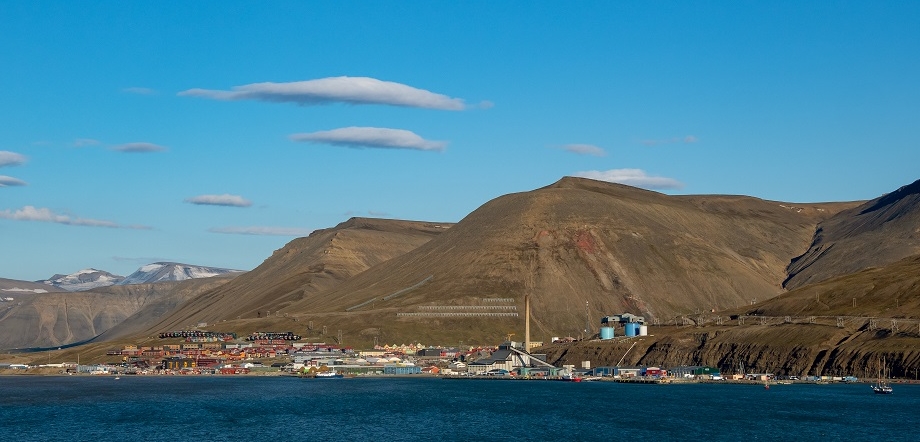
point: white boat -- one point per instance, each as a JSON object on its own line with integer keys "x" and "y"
{"x": 881, "y": 385}
{"x": 328, "y": 375}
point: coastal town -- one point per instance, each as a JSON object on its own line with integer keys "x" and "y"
{"x": 200, "y": 352}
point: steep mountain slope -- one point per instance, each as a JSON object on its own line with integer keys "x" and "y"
{"x": 305, "y": 268}
{"x": 60, "y": 318}
{"x": 892, "y": 291}
{"x": 618, "y": 248}
{"x": 86, "y": 279}
{"x": 873, "y": 234}
{"x": 172, "y": 271}
{"x": 160, "y": 299}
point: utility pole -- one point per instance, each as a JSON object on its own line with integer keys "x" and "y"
{"x": 587, "y": 319}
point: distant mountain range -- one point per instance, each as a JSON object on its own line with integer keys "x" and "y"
{"x": 89, "y": 279}
{"x": 171, "y": 271}
{"x": 86, "y": 279}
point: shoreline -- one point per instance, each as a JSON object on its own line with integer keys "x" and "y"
{"x": 10, "y": 373}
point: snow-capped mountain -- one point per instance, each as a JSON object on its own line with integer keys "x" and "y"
{"x": 171, "y": 271}
{"x": 86, "y": 279}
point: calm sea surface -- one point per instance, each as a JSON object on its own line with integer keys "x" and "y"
{"x": 290, "y": 409}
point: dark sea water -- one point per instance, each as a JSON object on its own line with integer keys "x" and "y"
{"x": 209, "y": 408}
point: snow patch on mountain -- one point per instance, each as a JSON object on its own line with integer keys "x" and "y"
{"x": 86, "y": 279}
{"x": 171, "y": 271}
{"x": 17, "y": 289}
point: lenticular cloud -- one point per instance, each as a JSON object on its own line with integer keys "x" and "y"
{"x": 262, "y": 230}
{"x": 139, "y": 148}
{"x": 219, "y": 200}
{"x": 8, "y": 158}
{"x": 632, "y": 177}
{"x": 350, "y": 90}
{"x": 8, "y": 181}
{"x": 584, "y": 149}
{"x": 372, "y": 137}
{"x": 31, "y": 213}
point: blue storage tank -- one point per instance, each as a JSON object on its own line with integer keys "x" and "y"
{"x": 606, "y": 332}
{"x": 632, "y": 328}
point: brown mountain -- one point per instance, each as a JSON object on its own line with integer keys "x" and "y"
{"x": 617, "y": 247}
{"x": 873, "y": 234}
{"x": 305, "y": 268}
{"x": 843, "y": 325}
{"x": 59, "y": 318}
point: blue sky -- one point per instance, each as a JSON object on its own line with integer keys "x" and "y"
{"x": 213, "y": 133}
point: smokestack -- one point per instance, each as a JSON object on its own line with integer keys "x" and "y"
{"x": 527, "y": 323}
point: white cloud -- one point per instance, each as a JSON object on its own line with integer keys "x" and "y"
{"x": 262, "y": 230}
{"x": 350, "y": 90}
{"x": 8, "y": 181}
{"x": 8, "y": 158}
{"x": 219, "y": 200}
{"x": 373, "y": 137}
{"x": 673, "y": 140}
{"x": 17, "y": 289}
{"x": 82, "y": 142}
{"x": 139, "y": 90}
{"x": 584, "y": 149}
{"x": 139, "y": 148}
{"x": 30, "y": 213}
{"x": 631, "y": 177}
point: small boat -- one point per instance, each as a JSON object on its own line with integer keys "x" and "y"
{"x": 328, "y": 375}
{"x": 881, "y": 385}
{"x": 570, "y": 377}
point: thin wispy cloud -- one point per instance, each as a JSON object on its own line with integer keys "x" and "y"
{"x": 632, "y": 177}
{"x": 141, "y": 261}
{"x": 8, "y": 181}
{"x": 262, "y": 230}
{"x": 584, "y": 149}
{"x": 139, "y": 90}
{"x": 31, "y": 213}
{"x": 371, "y": 137}
{"x": 139, "y": 148}
{"x": 219, "y": 200}
{"x": 349, "y": 90}
{"x": 8, "y": 158}
{"x": 371, "y": 213}
{"x": 83, "y": 142}
{"x": 689, "y": 139}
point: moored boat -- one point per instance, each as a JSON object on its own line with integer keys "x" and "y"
{"x": 881, "y": 385}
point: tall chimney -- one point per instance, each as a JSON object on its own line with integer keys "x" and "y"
{"x": 527, "y": 323}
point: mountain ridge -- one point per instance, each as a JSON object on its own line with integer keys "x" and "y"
{"x": 618, "y": 247}
{"x": 172, "y": 271}
{"x": 82, "y": 280}
{"x": 876, "y": 233}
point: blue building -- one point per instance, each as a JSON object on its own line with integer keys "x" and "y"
{"x": 401, "y": 369}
